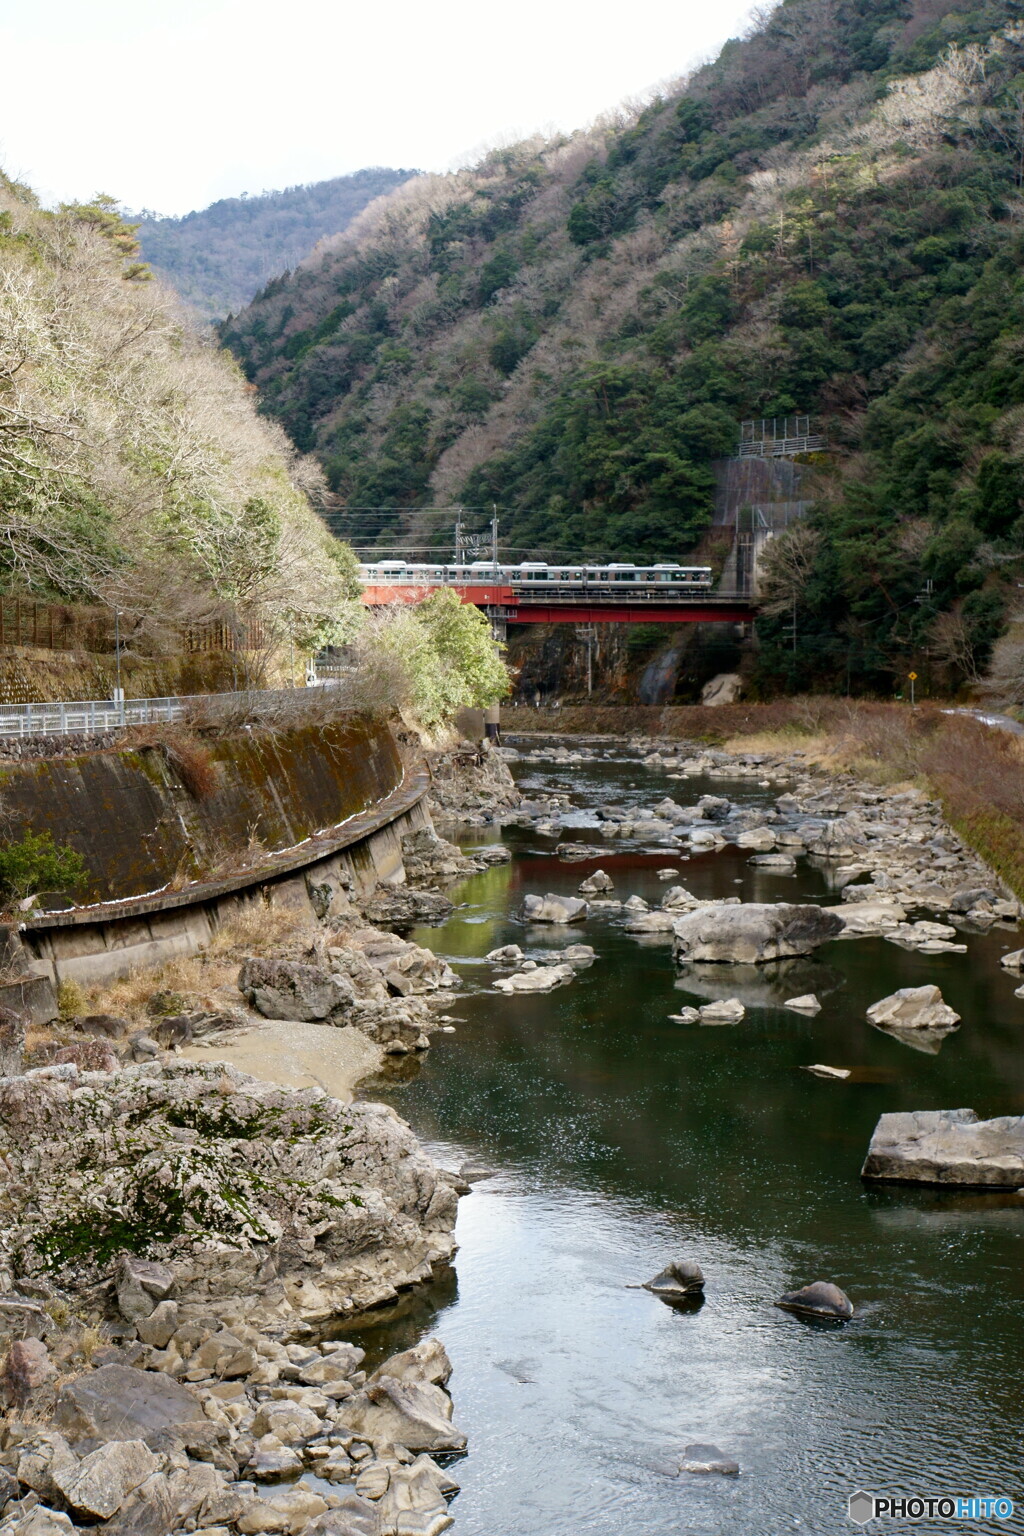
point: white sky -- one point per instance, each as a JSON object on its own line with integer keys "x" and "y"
{"x": 170, "y": 104}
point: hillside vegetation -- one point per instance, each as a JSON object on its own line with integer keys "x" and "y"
{"x": 825, "y": 220}
{"x": 218, "y": 257}
{"x": 134, "y": 470}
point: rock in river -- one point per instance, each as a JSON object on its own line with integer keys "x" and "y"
{"x": 594, "y": 884}
{"x": 913, "y": 1008}
{"x": 820, "y": 1299}
{"x": 554, "y": 909}
{"x": 947, "y": 1146}
{"x": 806, "y": 1004}
{"x": 542, "y": 979}
{"x": 679, "y": 1281}
{"x": 753, "y": 932}
{"x": 727, "y": 1010}
{"x": 708, "y": 1458}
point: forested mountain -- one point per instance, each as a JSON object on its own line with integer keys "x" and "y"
{"x": 825, "y": 220}
{"x": 219, "y": 256}
{"x": 134, "y": 470}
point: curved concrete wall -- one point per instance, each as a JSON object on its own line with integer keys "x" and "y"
{"x": 140, "y": 828}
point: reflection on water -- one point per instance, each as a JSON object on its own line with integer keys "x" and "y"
{"x": 623, "y": 1140}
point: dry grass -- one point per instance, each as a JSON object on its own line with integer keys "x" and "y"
{"x": 254, "y": 927}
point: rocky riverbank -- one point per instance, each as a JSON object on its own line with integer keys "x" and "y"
{"x": 191, "y": 1199}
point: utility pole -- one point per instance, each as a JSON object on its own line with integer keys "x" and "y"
{"x": 458, "y": 535}
{"x": 118, "y": 690}
{"x": 494, "y": 537}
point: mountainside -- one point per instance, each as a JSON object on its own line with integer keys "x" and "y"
{"x": 134, "y": 470}
{"x": 826, "y": 220}
{"x": 219, "y": 256}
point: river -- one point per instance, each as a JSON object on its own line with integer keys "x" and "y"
{"x": 619, "y": 1140}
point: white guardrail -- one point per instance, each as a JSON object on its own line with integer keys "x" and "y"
{"x": 93, "y": 716}
{"x": 85, "y": 716}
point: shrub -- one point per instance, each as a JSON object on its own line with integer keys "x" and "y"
{"x": 37, "y": 863}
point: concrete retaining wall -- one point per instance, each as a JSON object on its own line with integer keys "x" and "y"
{"x": 329, "y": 806}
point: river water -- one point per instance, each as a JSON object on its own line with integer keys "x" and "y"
{"x": 620, "y": 1140}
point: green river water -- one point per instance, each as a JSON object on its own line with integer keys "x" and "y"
{"x": 619, "y": 1140}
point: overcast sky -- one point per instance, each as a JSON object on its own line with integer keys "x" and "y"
{"x": 170, "y": 104}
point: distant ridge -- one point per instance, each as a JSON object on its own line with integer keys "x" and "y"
{"x": 219, "y": 257}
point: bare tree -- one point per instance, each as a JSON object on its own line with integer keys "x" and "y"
{"x": 786, "y": 564}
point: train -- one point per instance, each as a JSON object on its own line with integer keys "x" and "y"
{"x": 664, "y": 579}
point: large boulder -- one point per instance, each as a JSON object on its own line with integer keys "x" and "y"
{"x": 913, "y": 1008}
{"x": 947, "y": 1146}
{"x": 288, "y": 1202}
{"x": 752, "y": 933}
{"x": 416, "y": 1414}
{"x": 102, "y": 1481}
{"x": 140, "y": 1286}
{"x": 118, "y": 1402}
{"x": 821, "y": 1299}
{"x": 285, "y": 989}
{"x": 554, "y": 909}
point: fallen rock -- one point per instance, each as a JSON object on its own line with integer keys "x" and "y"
{"x": 820, "y": 1299}
{"x": 820, "y": 1070}
{"x": 782, "y": 863}
{"x": 913, "y": 1008}
{"x": 402, "y": 906}
{"x": 508, "y": 954}
{"x": 686, "y": 1016}
{"x": 284, "y": 989}
{"x": 806, "y": 1004}
{"x": 353, "y": 1516}
{"x": 666, "y": 874}
{"x": 414, "y": 1503}
{"x": 947, "y": 1146}
{"x": 28, "y": 1366}
{"x": 118, "y": 1402}
{"x": 1013, "y": 961}
{"x": 88, "y": 1056}
{"x": 160, "y": 1326}
{"x": 554, "y": 909}
{"x": 100, "y": 1483}
{"x": 761, "y": 839}
{"x": 140, "y": 1285}
{"x": 417, "y": 1415}
{"x": 578, "y": 954}
{"x": 753, "y": 933}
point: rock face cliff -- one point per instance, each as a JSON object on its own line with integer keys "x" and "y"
{"x": 287, "y": 1203}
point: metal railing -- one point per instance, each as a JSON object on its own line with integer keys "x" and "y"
{"x": 85, "y": 716}
{"x": 89, "y": 717}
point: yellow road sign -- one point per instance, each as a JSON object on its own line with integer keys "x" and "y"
{"x": 912, "y": 676}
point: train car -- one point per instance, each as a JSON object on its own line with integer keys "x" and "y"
{"x": 660, "y": 580}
